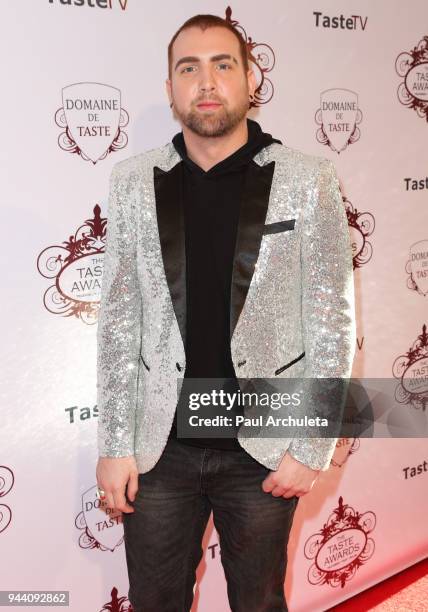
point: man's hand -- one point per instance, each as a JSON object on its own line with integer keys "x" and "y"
{"x": 113, "y": 474}
{"x": 291, "y": 478}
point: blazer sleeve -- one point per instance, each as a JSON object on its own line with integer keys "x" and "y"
{"x": 328, "y": 304}
{"x": 119, "y": 325}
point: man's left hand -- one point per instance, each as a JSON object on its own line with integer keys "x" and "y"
{"x": 291, "y": 478}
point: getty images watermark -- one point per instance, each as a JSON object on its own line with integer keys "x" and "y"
{"x": 231, "y": 402}
{"x": 303, "y": 407}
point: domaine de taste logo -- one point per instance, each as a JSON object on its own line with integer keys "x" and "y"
{"x": 417, "y": 267}
{"x": 345, "y": 447}
{"x": 338, "y": 117}
{"x": 92, "y": 119}
{"x": 413, "y": 68}
{"x": 101, "y": 527}
{"x": 75, "y": 268}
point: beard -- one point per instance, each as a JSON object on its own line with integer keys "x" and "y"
{"x": 216, "y": 123}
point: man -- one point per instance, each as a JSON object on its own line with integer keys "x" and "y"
{"x": 227, "y": 256}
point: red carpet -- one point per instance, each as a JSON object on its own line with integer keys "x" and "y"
{"x": 407, "y": 590}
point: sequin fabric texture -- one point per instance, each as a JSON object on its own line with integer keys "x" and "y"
{"x": 301, "y": 299}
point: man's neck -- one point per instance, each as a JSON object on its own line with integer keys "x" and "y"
{"x": 207, "y": 151}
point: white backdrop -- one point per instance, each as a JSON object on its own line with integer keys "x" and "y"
{"x": 366, "y": 517}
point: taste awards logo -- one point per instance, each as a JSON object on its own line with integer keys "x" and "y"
{"x": 262, "y": 61}
{"x": 338, "y": 117}
{"x": 412, "y": 67}
{"x": 76, "y": 269}
{"x": 361, "y": 226}
{"x": 7, "y": 480}
{"x": 341, "y": 546}
{"x": 117, "y": 603}
{"x": 92, "y": 119}
{"x": 411, "y": 369}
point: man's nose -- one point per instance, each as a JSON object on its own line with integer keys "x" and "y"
{"x": 207, "y": 80}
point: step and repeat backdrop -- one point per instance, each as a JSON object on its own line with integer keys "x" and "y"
{"x": 83, "y": 88}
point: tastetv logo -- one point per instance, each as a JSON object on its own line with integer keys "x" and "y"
{"x": 415, "y": 184}
{"x": 93, "y": 120}
{"x": 102, "y": 4}
{"x": 76, "y": 271}
{"x": 413, "y": 68}
{"x": 354, "y": 22}
{"x": 76, "y": 414}
{"x": 338, "y": 117}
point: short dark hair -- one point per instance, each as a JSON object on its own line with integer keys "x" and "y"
{"x": 210, "y": 21}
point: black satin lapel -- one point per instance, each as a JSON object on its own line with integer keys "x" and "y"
{"x": 252, "y": 215}
{"x": 170, "y": 219}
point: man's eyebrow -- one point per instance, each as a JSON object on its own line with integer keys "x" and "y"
{"x": 214, "y": 58}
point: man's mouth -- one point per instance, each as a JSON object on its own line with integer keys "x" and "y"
{"x": 208, "y": 105}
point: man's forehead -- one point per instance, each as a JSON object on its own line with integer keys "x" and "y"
{"x": 204, "y": 43}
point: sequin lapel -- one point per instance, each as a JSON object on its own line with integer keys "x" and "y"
{"x": 252, "y": 215}
{"x": 170, "y": 218}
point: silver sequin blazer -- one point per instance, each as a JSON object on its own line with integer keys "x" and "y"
{"x": 292, "y": 296}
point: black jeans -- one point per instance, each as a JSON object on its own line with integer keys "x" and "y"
{"x": 163, "y": 535}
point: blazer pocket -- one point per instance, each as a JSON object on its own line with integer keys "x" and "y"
{"x": 290, "y": 363}
{"x": 279, "y": 226}
{"x": 144, "y": 363}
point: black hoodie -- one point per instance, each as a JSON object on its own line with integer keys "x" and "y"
{"x": 211, "y": 201}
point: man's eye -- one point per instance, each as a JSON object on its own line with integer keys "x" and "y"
{"x": 188, "y": 69}
{"x": 225, "y": 65}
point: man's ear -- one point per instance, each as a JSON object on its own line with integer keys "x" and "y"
{"x": 168, "y": 89}
{"x": 252, "y": 82}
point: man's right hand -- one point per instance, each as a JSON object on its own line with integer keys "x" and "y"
{"x": 113, "y": 475}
